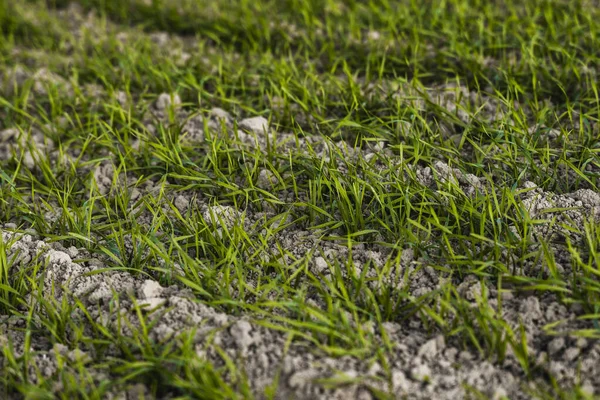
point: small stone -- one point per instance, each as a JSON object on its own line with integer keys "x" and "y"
{"x": 165, "y": 100}
{"x": 94, "y": 262}
{"x": 373, "y": 35}
{"x": 531, "y": 308}
{"x": 529, "y": 185}
{"x": 219, "y": 114}
{"x": 506, "y": 295}
{"x": 420, "y": 372}
{"x": 560, "y": 269}
{"x": 556, "y": 345}
{"x": 160, "y": 38}
{"x": 58, "y": 257}
{"x": 541, "y": 358}
{"x": 432, "y": 347}
{"x": 258, "y": 125}
{"x": 182, "y": 57}
{"x": 135, "y": 194}
{"x": 451, "y": 353}
{"x": 572, "y": 353}
{"x": 556, "y": 368}
{"x": 225, "y": 213}
{"x": 399, "y": 381}
{"x": 350, "y": 374}
{"x": 321, "y": 265}
{"x": 581, "y": 343}
{"x": 241, "y": 334}
{"x": 182, "y": 203}
{"x": 9, "y": 134}
{"x": 121, "y": 97}
{"x": 555, "y": 311}
{"x": 61, "y": 349}
{"x": 470, "y": 289}
{"x": 79, "y": 356}
{"x": 28, "y": 160}
{"x": 151, "y": 289}
{"x": 375, "y": 369}
{"x": 72, "y": 252}
{"x": 391, "y": 328}
{"x": 150, "y": 128}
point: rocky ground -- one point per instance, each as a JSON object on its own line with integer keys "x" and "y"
{"x": 271, "y": 299}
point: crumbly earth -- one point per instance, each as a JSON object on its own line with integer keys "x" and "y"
{"x": 421, "y": 364}
{"x": 408, "y": 358}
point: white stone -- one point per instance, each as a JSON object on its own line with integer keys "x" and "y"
{"x": 241, "y": 334}
{"x": 164, "y": 101}
{"x": 556, "y": 345}
{"x": 399, "y": 381}
{"x": 73, "y": 252}
{"x": 219, "y": 113}
{"x": 572, "y": 353}
{"x": 373, "y": 35}
{"x": 122, "y": 98}
{"x": 258, "y": 125}
{"x": 28, "y": 160}
{"x": 321, "y": 265}
{"x": 225, "y": 213}
{"x": 432, "y": 347}
{"x": 9, "y": 134}
{"x": 420, "y": 372}
{"x": 151, "y": 289}
{"x": 58, "y": 257}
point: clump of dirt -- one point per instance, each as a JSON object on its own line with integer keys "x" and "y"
{"x": 570, "y": 209}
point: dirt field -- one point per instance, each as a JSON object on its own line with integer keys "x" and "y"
{"x": 279, "y": 201}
